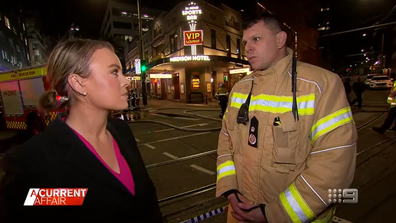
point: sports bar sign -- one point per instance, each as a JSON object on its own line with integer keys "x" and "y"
{"x": 193, "y": 37}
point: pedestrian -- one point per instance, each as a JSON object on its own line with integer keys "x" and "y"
{"x": 391, "y": 114}
{"x": 222, "y": 95}
{"x": 358, "y": 87}
{"x": 275, "y": 163}
{"x": 348, "y": 89}
{"x": 82, "y": 148}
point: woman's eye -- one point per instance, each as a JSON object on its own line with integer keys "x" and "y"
{"x": 115, "y": 72}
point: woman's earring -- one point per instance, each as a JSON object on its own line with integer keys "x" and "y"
{"x": 85, "y": 93}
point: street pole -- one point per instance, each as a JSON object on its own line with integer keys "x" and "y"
{"x": 141, "y": 52}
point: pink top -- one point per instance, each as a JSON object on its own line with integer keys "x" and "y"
{"x": 125, "y": 175}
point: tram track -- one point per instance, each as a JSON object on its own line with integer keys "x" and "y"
{"x": 207, "y": 188}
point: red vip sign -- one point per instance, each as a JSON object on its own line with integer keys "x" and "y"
{"x": 193, "y": 37}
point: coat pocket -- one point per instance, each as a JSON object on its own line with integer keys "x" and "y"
{"x": 285, "y": 137}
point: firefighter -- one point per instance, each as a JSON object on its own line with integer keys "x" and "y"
{"x": 391, "y": 114}
{"x": 273, "y": 166}
{"x": 222, "y": 95}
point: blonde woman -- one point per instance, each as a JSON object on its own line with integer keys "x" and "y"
{"x": 82, "y": 148}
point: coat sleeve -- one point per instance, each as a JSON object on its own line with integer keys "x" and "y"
{"x": 226, "y": 175}
{"x": 331, "y": 163}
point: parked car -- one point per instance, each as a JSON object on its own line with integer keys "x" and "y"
{"x": 380, "y": 82}
{"x": 368, "y": 78}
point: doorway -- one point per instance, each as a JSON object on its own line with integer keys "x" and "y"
{"x": 213, "y": 82}
{"x": 176, "y": 85}
{"x": 163, "y": 89}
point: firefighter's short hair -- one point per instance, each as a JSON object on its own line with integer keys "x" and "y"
{"x": 269, "y": 19}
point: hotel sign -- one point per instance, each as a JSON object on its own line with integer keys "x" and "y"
{"x": 193, "y": 37}
{"x": 190, "y": 58}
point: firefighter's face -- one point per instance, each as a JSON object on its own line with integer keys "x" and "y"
{"x": 263, "y": 45}
{"x": 106, "y": 87}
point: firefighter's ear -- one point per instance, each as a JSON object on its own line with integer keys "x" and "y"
{"x": 281, "y": 38}
{"x": 76, "y": 84}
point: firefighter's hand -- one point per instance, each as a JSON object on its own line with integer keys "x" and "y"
{"x": 237, "y": 213}
{"x": 256, "y": 214}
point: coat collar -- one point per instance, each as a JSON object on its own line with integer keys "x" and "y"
{"x": 75, "y": 152}
{"x": 280, "y": 68}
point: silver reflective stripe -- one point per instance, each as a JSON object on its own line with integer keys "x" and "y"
{"x": 225, "y": 169}
{"x": 223, "y": 156}
{"x": 282, "y": 104}
{"x": 313, "y": 82}
{"x": 302, "y": 177}
{"x": 238, "y": 100}
{"x": 329, "y": 123}
{"x": 331, "y": 149}
{"x": 296, "y": 208}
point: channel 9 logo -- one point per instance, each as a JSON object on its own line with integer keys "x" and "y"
{"x": 346, "y": 196}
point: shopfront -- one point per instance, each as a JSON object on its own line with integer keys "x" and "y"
{"x": 194, "y": 79}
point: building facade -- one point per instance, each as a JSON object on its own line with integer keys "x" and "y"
{"x": 190, "y": 51}
{"x": 14, "y": 45}
{"x": 37, "y": 47}
{"x": 120, "y": 25}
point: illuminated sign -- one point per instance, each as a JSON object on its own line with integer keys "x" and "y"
{"x": 190, "y": 58}
{"x": 195, "y": 83}
{"x": 193, "y": 37}
{"x": 159, "y": 76}
{"x": 191, "y": 11}
{"x": 240, "y": 71}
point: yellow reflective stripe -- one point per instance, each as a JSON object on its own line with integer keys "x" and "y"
{"x": 225, "y": 169}
{"x": 327, "y": 219}
{"x": 295, "y": 205}
{"x": 331, "y": 122}
{"x": 275, "y": 104}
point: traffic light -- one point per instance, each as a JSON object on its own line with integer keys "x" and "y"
{"x": 143, "y": 67}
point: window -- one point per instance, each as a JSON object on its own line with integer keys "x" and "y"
{"x": 26, "y": 42}
{"x": 15, "y": 31}
{"x": 173, "y": 43}
{"x": 3, "y": 54}
{"x": 27, "y": 56}
{"x": 122, "y": 25}
{"x": 239, "y": 48}
{"x": 11, "y": 42}
{"x": 7, "y": 22}
{"x": 21, "y": 37}
{"x": 128, "y": 38}
{"x": 23, "y": 26}
{"x": 228, "y": 42}
{"x": 120, "y": 12}
{"x": 213, "y": 38}
{"x": 17, "y": 48}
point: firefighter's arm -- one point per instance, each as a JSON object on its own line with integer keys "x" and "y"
{"x": 330, "y": 165}
{"x": 226, "y": 175}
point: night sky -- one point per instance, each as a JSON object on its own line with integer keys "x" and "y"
{"x": 57, "y": 16}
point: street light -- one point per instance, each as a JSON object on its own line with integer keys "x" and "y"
{"x": 362, "y": 50}
{"x": 364, "y": 34}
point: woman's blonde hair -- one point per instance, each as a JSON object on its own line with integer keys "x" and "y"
{"x": 69, "y": 57}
